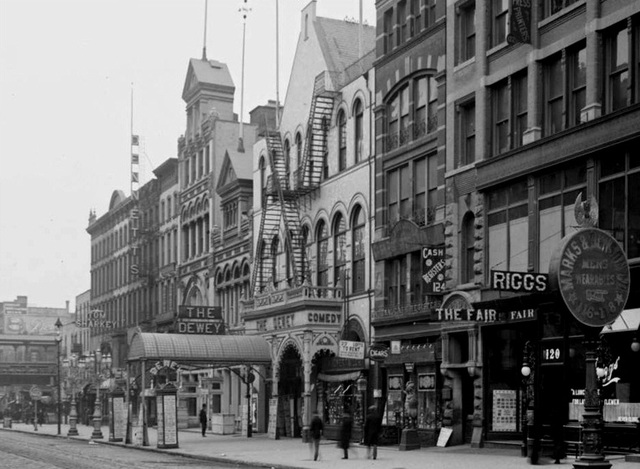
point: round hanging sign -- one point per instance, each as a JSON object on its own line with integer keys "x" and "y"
{"x": 590, "y": 271}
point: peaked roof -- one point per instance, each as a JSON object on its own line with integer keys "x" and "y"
{"x": 207, "y": 72}
{"x": 242, "y": 164}
{"x": 339, "y": 41}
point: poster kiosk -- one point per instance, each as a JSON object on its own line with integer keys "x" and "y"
{"x": 167, "y": 409}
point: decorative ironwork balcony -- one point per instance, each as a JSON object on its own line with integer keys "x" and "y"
{"x": 411, "y": 132}
{"x": 289, "y": 296}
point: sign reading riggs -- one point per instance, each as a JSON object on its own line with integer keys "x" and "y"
{"x": 200, "y": 320}
{"x": 519, "y": 281}
{"x": 96, "y": 318}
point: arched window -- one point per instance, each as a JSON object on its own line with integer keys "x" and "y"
{"x": 340, "y": 252}
{"x": 305, "y": 246}
{"x": 342, "y": 140}
{"x": 287, "y": 157}
{"x": 358, "y": 129}
{"x": 262, "y": 176}
{"x": 398, "y": 118}
{"x": 276, "y": 256}
{"x": 298, "y": 150}
{"x": 323, "y": 249}
{"x": 358, "y": 249}
{"x": 467, "y": 248}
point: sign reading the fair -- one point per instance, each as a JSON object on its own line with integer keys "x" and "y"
{"x": 590, "y": 271}
{"x": 200, "y": 320}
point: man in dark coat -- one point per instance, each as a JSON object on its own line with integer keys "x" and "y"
{"x": 316, "y": 429}
{"x": 203, "y": 419}
{"x": 345, "y": 434}
{"x": 372, "y": 425}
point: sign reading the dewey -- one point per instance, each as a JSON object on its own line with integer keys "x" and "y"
{"x": 590, "y": 270}
{"x": 200, "y": 320}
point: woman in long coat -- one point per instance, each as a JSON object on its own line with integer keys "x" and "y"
{"x": 372, "y": 426}
{"x": 345, "y": 434}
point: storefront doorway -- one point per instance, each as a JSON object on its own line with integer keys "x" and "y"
{"x": 290, "y": 393}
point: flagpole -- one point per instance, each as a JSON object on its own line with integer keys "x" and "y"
{"x": 204, "y": 40}
{"x": 277, "y": 68}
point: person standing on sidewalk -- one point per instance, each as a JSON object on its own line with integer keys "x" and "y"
{"x": 316, "y": 429}
{"x": 372, "y": 425}
{"x": 345, "y": 434}
{"x": 203, "y": 419}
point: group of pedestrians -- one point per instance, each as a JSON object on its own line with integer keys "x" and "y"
{"x": 372, "y": 426}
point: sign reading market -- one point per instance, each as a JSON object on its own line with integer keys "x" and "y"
{"x": 590, "y": 271}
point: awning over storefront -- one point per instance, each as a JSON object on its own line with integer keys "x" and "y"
{"x": 407, "y": 331}
{"x": 338, "y": 378}
{"x": 629, "y": 320}
{"x": 200, "y": 349}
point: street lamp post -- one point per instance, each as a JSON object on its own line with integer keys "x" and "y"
{"x": 59, "y": 340}
{"x": 74, "y": 367}
{"x": 100, "y": 363}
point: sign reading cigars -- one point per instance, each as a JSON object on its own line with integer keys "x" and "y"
{"x": 590, "y": 271}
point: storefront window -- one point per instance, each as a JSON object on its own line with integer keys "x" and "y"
{"x": 427, "y": 404}
{"x": 393, "y": 408}
{"x": 340, "y": 398}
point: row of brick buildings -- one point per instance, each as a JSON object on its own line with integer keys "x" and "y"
{"x": 408, "y": 162}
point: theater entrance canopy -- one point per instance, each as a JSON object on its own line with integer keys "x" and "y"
{"x": 200, "y": 350}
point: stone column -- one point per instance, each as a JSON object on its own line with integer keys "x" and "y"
{"x": 306, "y": 396}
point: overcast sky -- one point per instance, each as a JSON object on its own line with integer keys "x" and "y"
{"x": 66, "y": 74}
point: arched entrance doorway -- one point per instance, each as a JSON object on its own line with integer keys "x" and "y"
{"x": 290, "y": 387}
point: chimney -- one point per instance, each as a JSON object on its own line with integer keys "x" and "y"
{"x": 67, "y": 305}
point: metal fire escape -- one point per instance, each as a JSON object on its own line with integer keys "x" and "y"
{"x": 280, "y": 202}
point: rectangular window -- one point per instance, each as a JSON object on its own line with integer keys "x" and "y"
{"x": 557, "y": 193}
{"x": 619, "y": 198}
{"x": 553, "y": 95}
{"x": 554, "y": 6}
{"x": 499, "y": 27}
{"x": 617, "y": 68}
{"x": 399, "y": 194}
{"x": 416, "y": 23}
{"x": 466, "y": 36}
{"x": 508, "y": 228}
{"x": 420, "y": 191}
{"x": 429, "y": 13}
{"x": 432, "y": 188}
{"x": 402, "y": 22}
{"x": 467, "y": 131}
{"x": 388, "y": 30}
{"x": 577, "y": 77}
{"x": 509, "y": 113}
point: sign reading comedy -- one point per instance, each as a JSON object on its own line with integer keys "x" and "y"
{"x": 591, "y": 273}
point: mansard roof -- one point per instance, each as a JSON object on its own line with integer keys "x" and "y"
{"x": 339, "y": 41}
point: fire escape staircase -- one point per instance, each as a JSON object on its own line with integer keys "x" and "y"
{"x": 279, "y": 209}
{"x": 310, "y": 173}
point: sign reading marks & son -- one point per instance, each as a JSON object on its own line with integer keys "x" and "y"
{"x": 591, "y": 272}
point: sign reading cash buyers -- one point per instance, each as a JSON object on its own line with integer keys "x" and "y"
{"x": 200, "y": 320}
{"x": 590, "y": 271}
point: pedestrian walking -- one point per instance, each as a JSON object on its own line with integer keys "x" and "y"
{"x": 316, "y": 430}
{"x": 345, "y": 434}
{"x": 203, "y": 419}
{"x": 372, "y": 426}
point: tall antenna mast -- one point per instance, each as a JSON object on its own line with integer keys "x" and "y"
{"x": 204, "y": 41}
{"x": 277, "y": 68}
{"x": 244, "y": 10}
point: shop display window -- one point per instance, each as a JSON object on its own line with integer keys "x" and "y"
{"x": 394, "y": 406}
{"x": 343, "y": 397}
{"x": 427, "y": 405}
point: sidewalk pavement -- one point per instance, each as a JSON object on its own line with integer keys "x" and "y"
{"x": 289, "y": 453}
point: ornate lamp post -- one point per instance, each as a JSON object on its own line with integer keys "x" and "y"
{"x": 59, "y": 340}
{"x": 101, "y": 363}
{"x": 75, "y": 367}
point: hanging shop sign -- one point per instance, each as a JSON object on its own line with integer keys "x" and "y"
{"x": 200, "y": 320}
{"x": 351, "y": 349}
{"x": 433, "y": 269}
{"x": 526, "y": 282}
{"x": 590, "y": 271}
{"x": 378, "y": 352}
{"x": 484, "y": 315}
